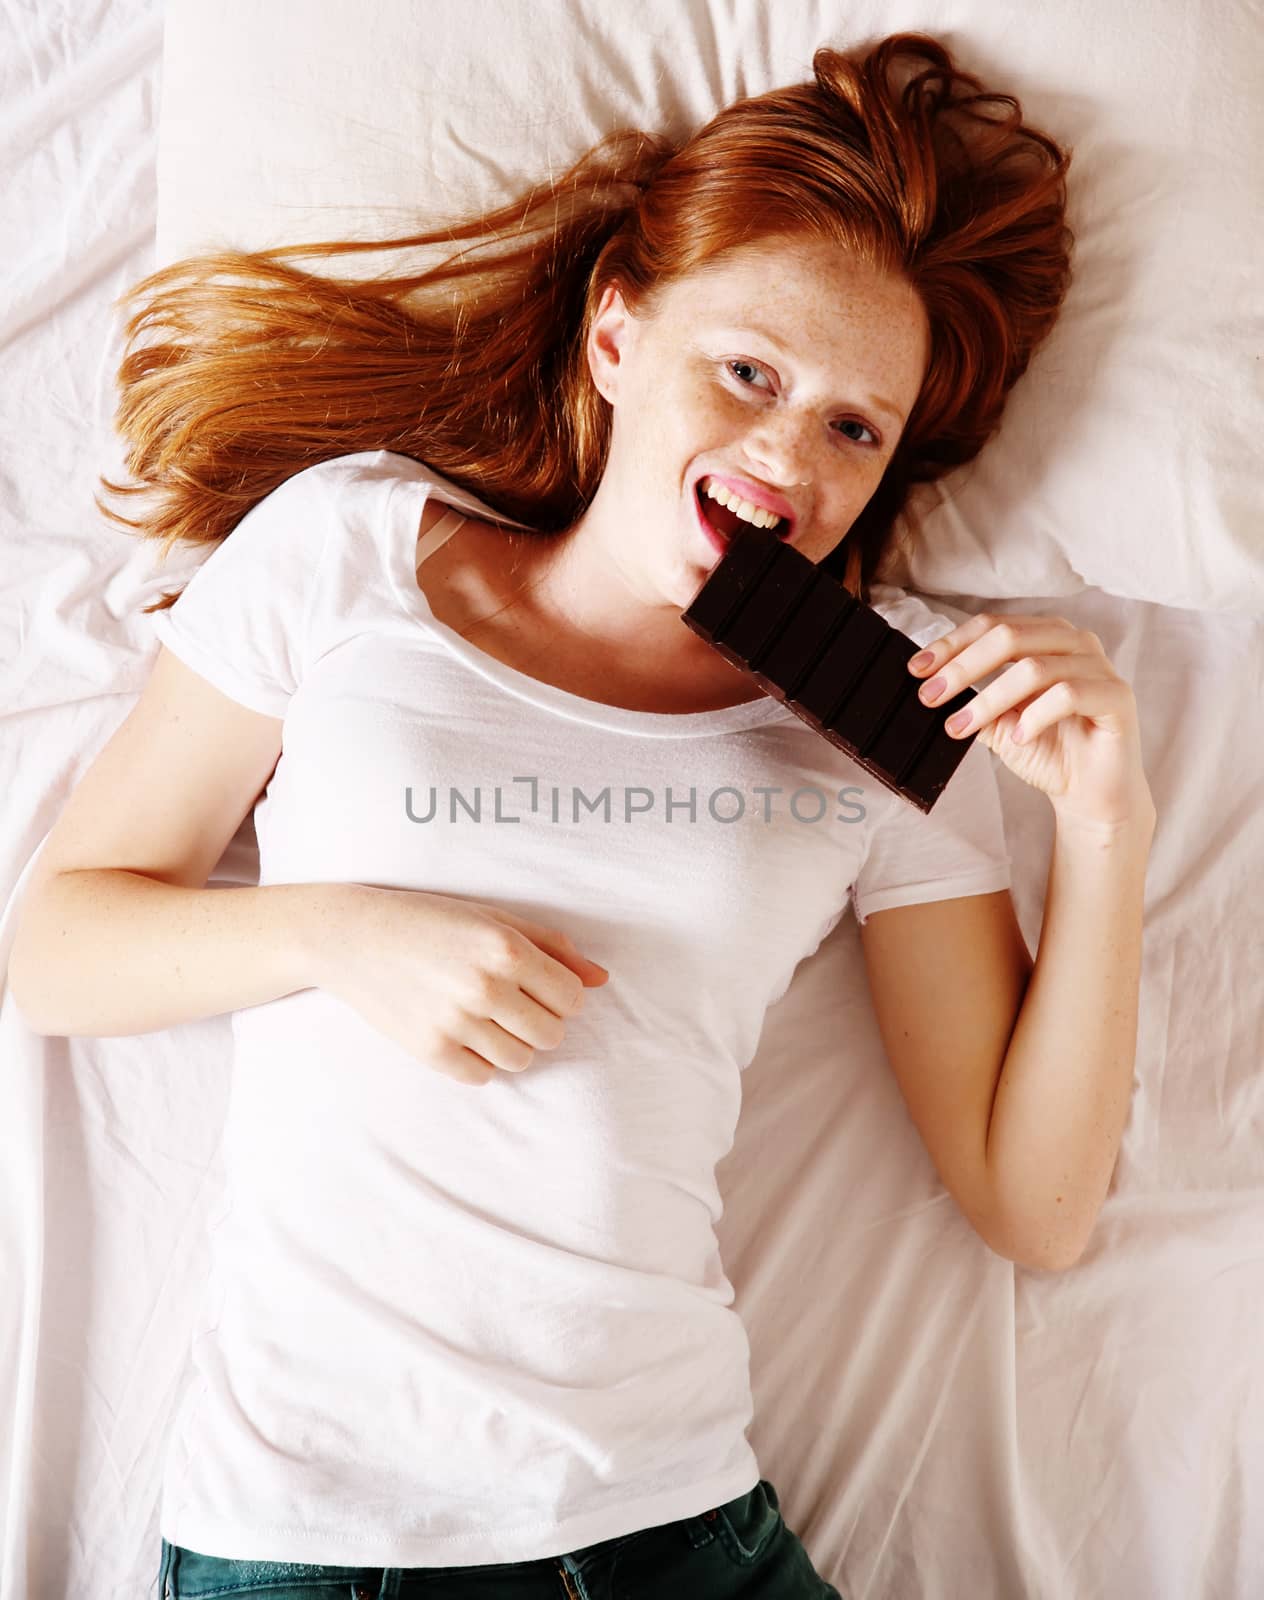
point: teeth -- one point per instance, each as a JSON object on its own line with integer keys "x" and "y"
{"x": 739, "y": 507}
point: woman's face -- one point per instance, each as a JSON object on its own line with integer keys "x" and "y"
{"x": 788, "y": 367}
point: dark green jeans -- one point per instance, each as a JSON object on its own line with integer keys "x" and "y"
{"x": 742, "y": 1548}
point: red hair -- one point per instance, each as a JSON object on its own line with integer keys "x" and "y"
{"x": 241, "y": 369}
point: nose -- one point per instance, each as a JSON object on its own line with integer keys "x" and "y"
{"x": 780, "y": 454}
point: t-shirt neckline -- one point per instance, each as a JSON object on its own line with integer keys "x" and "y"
{"x": 404, "y": 509}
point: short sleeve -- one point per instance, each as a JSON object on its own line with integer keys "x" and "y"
{"x": 242, "y": 619}
{"x": 957, "y": 848}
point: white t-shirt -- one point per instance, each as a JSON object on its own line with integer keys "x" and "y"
{"x": 450, "y": 1325}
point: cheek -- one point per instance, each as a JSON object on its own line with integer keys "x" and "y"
{"x": 680, "y": 419}
{"x": 692, "y": 396}
{"x": 852, "y": 496}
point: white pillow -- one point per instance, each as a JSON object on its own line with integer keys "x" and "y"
{"x": 1127, "y": 459}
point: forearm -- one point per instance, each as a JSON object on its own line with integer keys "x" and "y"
{"x": 111, "y": 952}
{"x": 1065, "y": 1088}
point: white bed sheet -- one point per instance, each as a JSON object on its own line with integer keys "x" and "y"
{"x": 938, "y": 1422}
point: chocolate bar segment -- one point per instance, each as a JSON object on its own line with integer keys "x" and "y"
{"x": 811, "y": 627}
{"x": 766, "y": 607}
{"x": 835, "y": 662}
{"x": 841, "y": 666}
{"x": 903, "y": 738}
{"x": 928, "y": 775}
{"x": 874, "y": 698}
{"x": 738, "y": 574}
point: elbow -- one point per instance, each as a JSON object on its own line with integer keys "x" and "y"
{"x": 1046, "y": 1254}
{"x": 27, "y": 993}
{"x": 15, "y": 989}
{"x": 30, "y": 1014}
{"x": 1052, "y": 1260}
{"x": 1031, "y": 1234}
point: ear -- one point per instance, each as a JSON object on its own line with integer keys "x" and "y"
{"x": 608, "y": 338}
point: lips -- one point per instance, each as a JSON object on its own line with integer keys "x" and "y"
{"x": 720, "y": 523}
{"x": 717, "y": 538}
{"x": 758, "y": 496}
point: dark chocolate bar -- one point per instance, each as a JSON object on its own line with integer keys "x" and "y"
{"x": 836, "y": 663}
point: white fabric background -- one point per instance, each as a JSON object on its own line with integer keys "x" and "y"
{"x": 938, "y": 1422}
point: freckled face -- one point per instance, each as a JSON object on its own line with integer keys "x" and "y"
{"x": 789, "y": 364}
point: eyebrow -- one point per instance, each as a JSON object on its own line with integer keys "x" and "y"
{"x": 874, "y": 402}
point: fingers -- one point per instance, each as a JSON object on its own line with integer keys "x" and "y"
{"x": 510, "y": 1042}
{"x": 1102, "y": 700}
{"x": 525, "y": 997}
{"x": 1022, "y": 682}
{"x": 507, "y": 1042}
{"x": 1039, "y": 653}
{"x": 527, "y": 980}
{"x": 561, "y": 952}
{"x": 984, "y": 642}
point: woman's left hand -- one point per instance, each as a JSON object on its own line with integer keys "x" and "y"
{"x": 1060, "y": 718}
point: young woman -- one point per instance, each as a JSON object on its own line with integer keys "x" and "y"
{"x": 485, "y": 1340}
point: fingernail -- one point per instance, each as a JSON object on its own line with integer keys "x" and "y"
{"x": 922, "y": 659}
{"x": 956, "y": 723}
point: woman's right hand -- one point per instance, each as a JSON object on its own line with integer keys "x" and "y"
{"x": 466, "y": 987}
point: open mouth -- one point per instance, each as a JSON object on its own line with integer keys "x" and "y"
{"x": 726, "y": 522}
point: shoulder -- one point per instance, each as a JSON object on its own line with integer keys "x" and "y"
{"x": 355, "y": 499}
{"x": 356, "y": 494}
{"x": 371, "y": 475}
{"x": 360, "y": 474}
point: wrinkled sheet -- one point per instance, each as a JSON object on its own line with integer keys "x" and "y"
{"x": 938, "y": 1422}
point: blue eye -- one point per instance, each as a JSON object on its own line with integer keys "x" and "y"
{"x": 738, "y": 362}
{"x": 849, "y": 422}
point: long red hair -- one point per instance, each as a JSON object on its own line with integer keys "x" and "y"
{"x": 241, "y": 369}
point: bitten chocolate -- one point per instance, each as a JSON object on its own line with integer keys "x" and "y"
{"x": 835, "y": 662}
